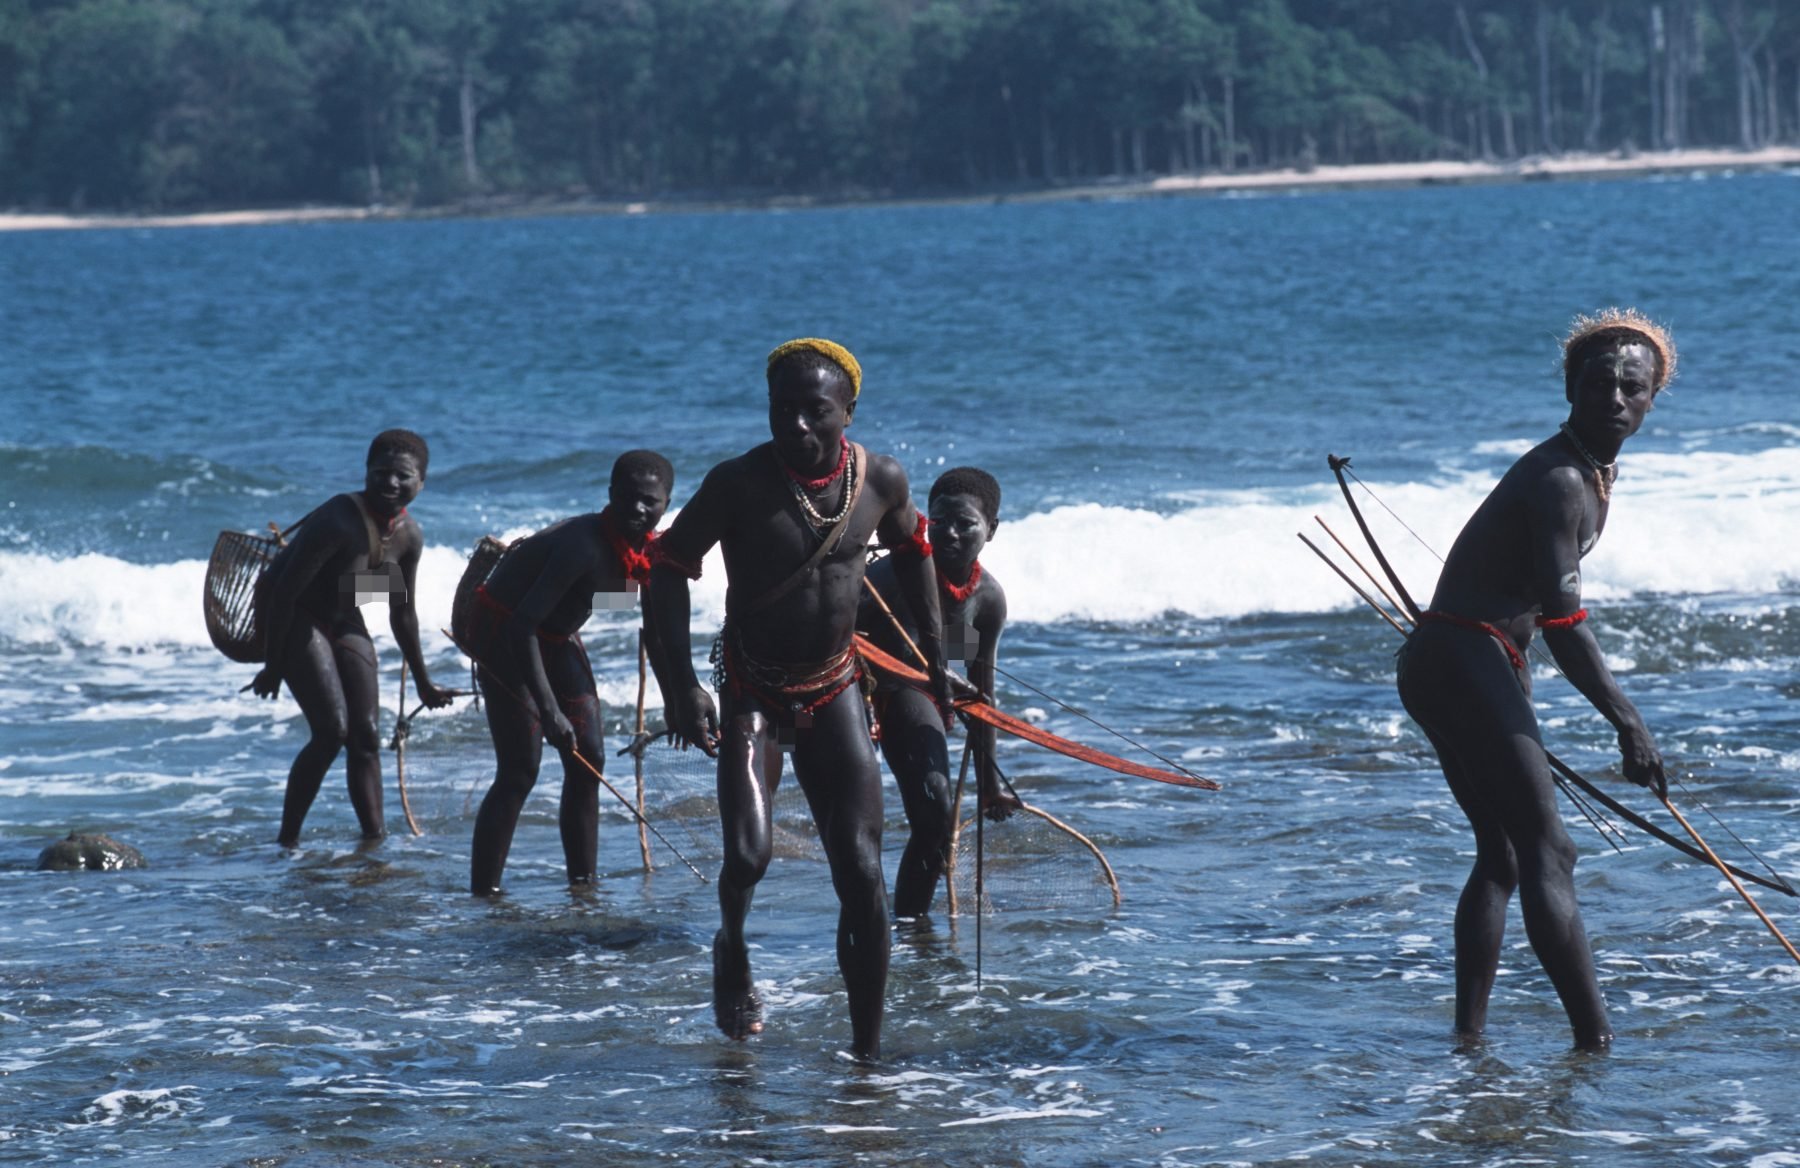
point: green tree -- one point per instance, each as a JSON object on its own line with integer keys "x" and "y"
{"x": 1281, "y": 83}
{"x": 381, "y": 71}
{"x": 106, "y": 83}
{"x": 242, "y": 111}
{"x": 20, "y": 47}
{"x": 582, "y": 93}
{"x": 950, "y": 140}
{"x": 834, "y": 98}
{"x": 711, "y": 104}
{"x": 1190, "y": 49}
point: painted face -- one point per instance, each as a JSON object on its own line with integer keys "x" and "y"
{"x": 958, "y": 532}
{"x": 640, "y": 503}
{"x": 808, "y": 411}
{"x": 1612, "y": 393}
{"x": 393, "y": 481}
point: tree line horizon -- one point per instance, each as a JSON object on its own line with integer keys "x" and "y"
{"x": 169, "y": 104}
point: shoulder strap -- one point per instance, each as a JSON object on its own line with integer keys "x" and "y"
{"x": 279, "y": 533}
{"x": 368, "y": 518}
{"x": 858, "y": 460}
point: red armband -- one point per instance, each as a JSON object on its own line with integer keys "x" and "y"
{"x": 1562, "y": 622}
{"x": 916, "y": 543}
{"x": 660, "y": 554}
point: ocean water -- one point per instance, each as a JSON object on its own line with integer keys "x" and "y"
{"x": 1157, "y": 385}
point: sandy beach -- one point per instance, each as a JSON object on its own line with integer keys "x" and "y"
{"x": 35, "y": 221}
{"x": 1384, "y": 175}
{"x": 1452, "y": 173}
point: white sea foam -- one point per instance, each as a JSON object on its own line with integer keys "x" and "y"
{"x": 1693, "y": 523}
{"x": 1690, "y": 523}
{"x": 116, "y": 1107}
{"x": 101, "y": 601}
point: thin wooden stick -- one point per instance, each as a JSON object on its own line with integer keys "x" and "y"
{"x": 638, "y": 815}
{"x": 1780, "y": 883}
{"x": 980, "y": 889}
{"x": 957, "y": 680}
{"x": 1338, "y": 467}
{"x": 1567, "y": 779}
{"x": 637, "y": 756}
{"x": 1053, "y": 821}
{"x": 1562, "y": 783}
{"x": 898, "y": 627}
{"x": 1370, "y": 600}
{"x": 591, "y": 768}
{"x": 956, "y": 828}
{"x": 1726, "y": 872}
{"x": 401, "y": 728}
{"x": 1365, "y": 569}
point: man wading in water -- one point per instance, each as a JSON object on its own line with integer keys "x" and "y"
{"x": 1463, "y": 677}
{"x": 352, "y": 550}
{"x": 534, "y": 670}
{"x": 794, "y": 518}
{"x": 965, "y": 511}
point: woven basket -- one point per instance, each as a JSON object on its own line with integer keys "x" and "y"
{"x": 237, "y": 563}
{"x": 487, "y": 553}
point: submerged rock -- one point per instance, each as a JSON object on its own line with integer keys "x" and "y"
{"x": 98, "y": 853}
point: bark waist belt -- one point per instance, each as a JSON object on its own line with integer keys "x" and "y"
{"x": 797, "y": 688}
{"x": 1432, "y": 616}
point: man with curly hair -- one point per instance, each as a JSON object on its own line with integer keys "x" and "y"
{"x": 965, "y": 513}
{"x": 1516, "y": 569}
{"x": 526, "y": 642}
{"x": 354, "y": 549}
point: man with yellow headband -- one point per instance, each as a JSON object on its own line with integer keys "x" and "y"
{"x": 794, "y": 517}
{"x": 1513, "y": 572}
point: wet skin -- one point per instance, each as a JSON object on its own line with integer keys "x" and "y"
{"x": 541, "y": 689}
{"x": 912, "y": 731}
{"x": 319, "y": 645}
{"x": 1518, "y": 557}
{"x": 745, "y": 507}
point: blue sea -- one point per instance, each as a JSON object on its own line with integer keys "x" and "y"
{"x": 1157, "y": 385}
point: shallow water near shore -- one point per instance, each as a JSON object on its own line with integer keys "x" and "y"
{"x": 1156, "y": 385}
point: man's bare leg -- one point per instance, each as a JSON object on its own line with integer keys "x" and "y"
{"x": 749, "y": 768}
{"x": 312, "y": 676}
{"x": 578, "y": 812}
{"x": 362, "y": 701}
{"x": 836, "y": 764}
{"x": 1481, "y": 910}
{"x": 1558, "y": 937}
{"x": 1487, "y": 736}
{"x": 518, "y": 751}
{"x": 912, "y": 740}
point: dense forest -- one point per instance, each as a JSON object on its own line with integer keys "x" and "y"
{"x": 185, "y": 103}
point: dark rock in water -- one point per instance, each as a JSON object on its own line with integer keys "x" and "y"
{"x": 81, "y": 850}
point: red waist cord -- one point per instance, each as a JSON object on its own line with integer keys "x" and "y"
{"x": 1433, "y": 616}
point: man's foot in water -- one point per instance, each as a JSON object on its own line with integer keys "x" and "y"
{"x": 918, "y": 925}
{"x": 736, "y": 1008}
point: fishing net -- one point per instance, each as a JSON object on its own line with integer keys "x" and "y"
{"x": 1031, "y": 862}
{"x": 237, "y": 563}
{"x": 680, "y": 793}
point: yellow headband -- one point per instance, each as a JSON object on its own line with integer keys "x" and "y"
{"x": 830, "y": 350}
{"x": 1626, "y": 320}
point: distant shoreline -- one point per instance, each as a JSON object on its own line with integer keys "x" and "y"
{"x": 1562, "y": 167}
